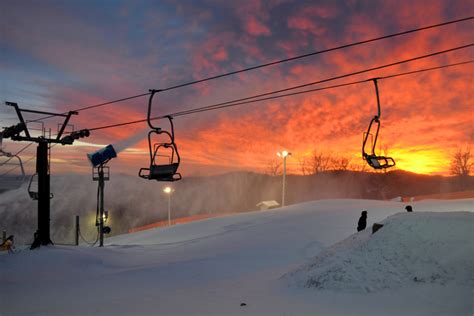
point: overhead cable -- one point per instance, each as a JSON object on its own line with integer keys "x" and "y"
{"x": 241, "y": 100}
{"x": 277, "y": 62}
{"x": 16, "y": 154}
{"x": 24, "y": 163}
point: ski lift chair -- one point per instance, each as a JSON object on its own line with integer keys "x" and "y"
{"x": 374, "y": 160}
{"x": 160, "y": 170}
{"x": 31, "y": 192}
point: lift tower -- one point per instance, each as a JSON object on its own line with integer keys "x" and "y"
{"x": 20, "y": 132}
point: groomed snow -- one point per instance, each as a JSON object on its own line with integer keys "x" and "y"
{"x": 277, "y": 262}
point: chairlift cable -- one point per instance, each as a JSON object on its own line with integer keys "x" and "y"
{"x": 198, "y": 110}
{"x": 221, "y": 106}
{"x": 247, "y": 100}
{"x": 276, "y": 62}
{"x": 327, "y": 80}
{"x": 24, "y": 163}
{"x": 16, "y": 154}
{"x": 316, "y": 53}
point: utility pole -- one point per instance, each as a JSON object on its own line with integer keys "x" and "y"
{"x": 20, "y": 132}
{"x": 42, "y": 169}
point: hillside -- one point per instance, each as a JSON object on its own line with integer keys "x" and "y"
{"x": 252, "y": 264}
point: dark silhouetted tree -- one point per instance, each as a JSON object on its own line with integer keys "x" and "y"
{"x": 319, "y": 162}
{"x": 340, "y": 163}
{"x": 461, "y": 165}
{"x": 274, "y": 167}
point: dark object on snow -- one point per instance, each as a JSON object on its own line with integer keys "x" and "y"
{"x": 409, "y": 208}
{"x": 36, "y": 241}
{"x": 243, "y": 304}
{"x": 376, "y": 227}
{"x": 362, "y": 224}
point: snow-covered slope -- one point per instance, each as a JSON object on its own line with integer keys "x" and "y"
{"x": 411, "y": 248}
{"x": 213, "y": 266}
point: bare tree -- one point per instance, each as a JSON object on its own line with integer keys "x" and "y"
{"x": 340, "y": 163}
{"x": 274, "y": 167}
{"x": 461, "y": 165}
{"x": 319, "y": 162}
{"x": 303, "y": 162}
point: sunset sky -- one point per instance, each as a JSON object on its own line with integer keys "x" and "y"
{"x": 64, "y": 55}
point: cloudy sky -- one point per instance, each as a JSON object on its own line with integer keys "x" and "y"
{"x": 64, "y": 55}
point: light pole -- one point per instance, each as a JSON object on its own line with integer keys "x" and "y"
{"x": 283, "y": 155}
{"x": 169, "y": 191}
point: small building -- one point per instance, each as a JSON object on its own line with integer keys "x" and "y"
{"x": 266, "y": 205}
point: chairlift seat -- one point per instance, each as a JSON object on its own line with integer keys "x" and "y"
{"x": 380, "y": 162}
{"x": 161, "y": 172}
{"x": 35, "y": 195}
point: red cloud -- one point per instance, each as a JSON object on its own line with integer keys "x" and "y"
{"x": 255, "y": 27}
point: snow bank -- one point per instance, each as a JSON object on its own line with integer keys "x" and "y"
{"x": 410, "y": 249}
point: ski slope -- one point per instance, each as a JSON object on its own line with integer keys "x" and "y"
{"x": 305, "y": 259}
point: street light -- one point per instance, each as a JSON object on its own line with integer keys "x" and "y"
{"x": 169, "y": 191}
{"x": 283, "y": 155}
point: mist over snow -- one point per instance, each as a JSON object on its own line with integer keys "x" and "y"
{"x": 132, "y": 201}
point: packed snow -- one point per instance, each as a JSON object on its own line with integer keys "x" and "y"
{"x": 305, "y": 259}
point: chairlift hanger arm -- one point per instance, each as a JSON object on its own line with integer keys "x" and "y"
{"x": 66, "y": 121}
{"x": 150, "y": 104}
{"x": 378, "y": 97}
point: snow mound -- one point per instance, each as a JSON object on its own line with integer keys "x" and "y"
{"x": 411, "y": 248}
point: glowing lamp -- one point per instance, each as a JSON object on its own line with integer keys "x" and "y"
{"x": 283, "y": 154}
{"x": 102, "y": 156}
{"x": 168, "y": 190}
{"x": 105, "y": 217}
